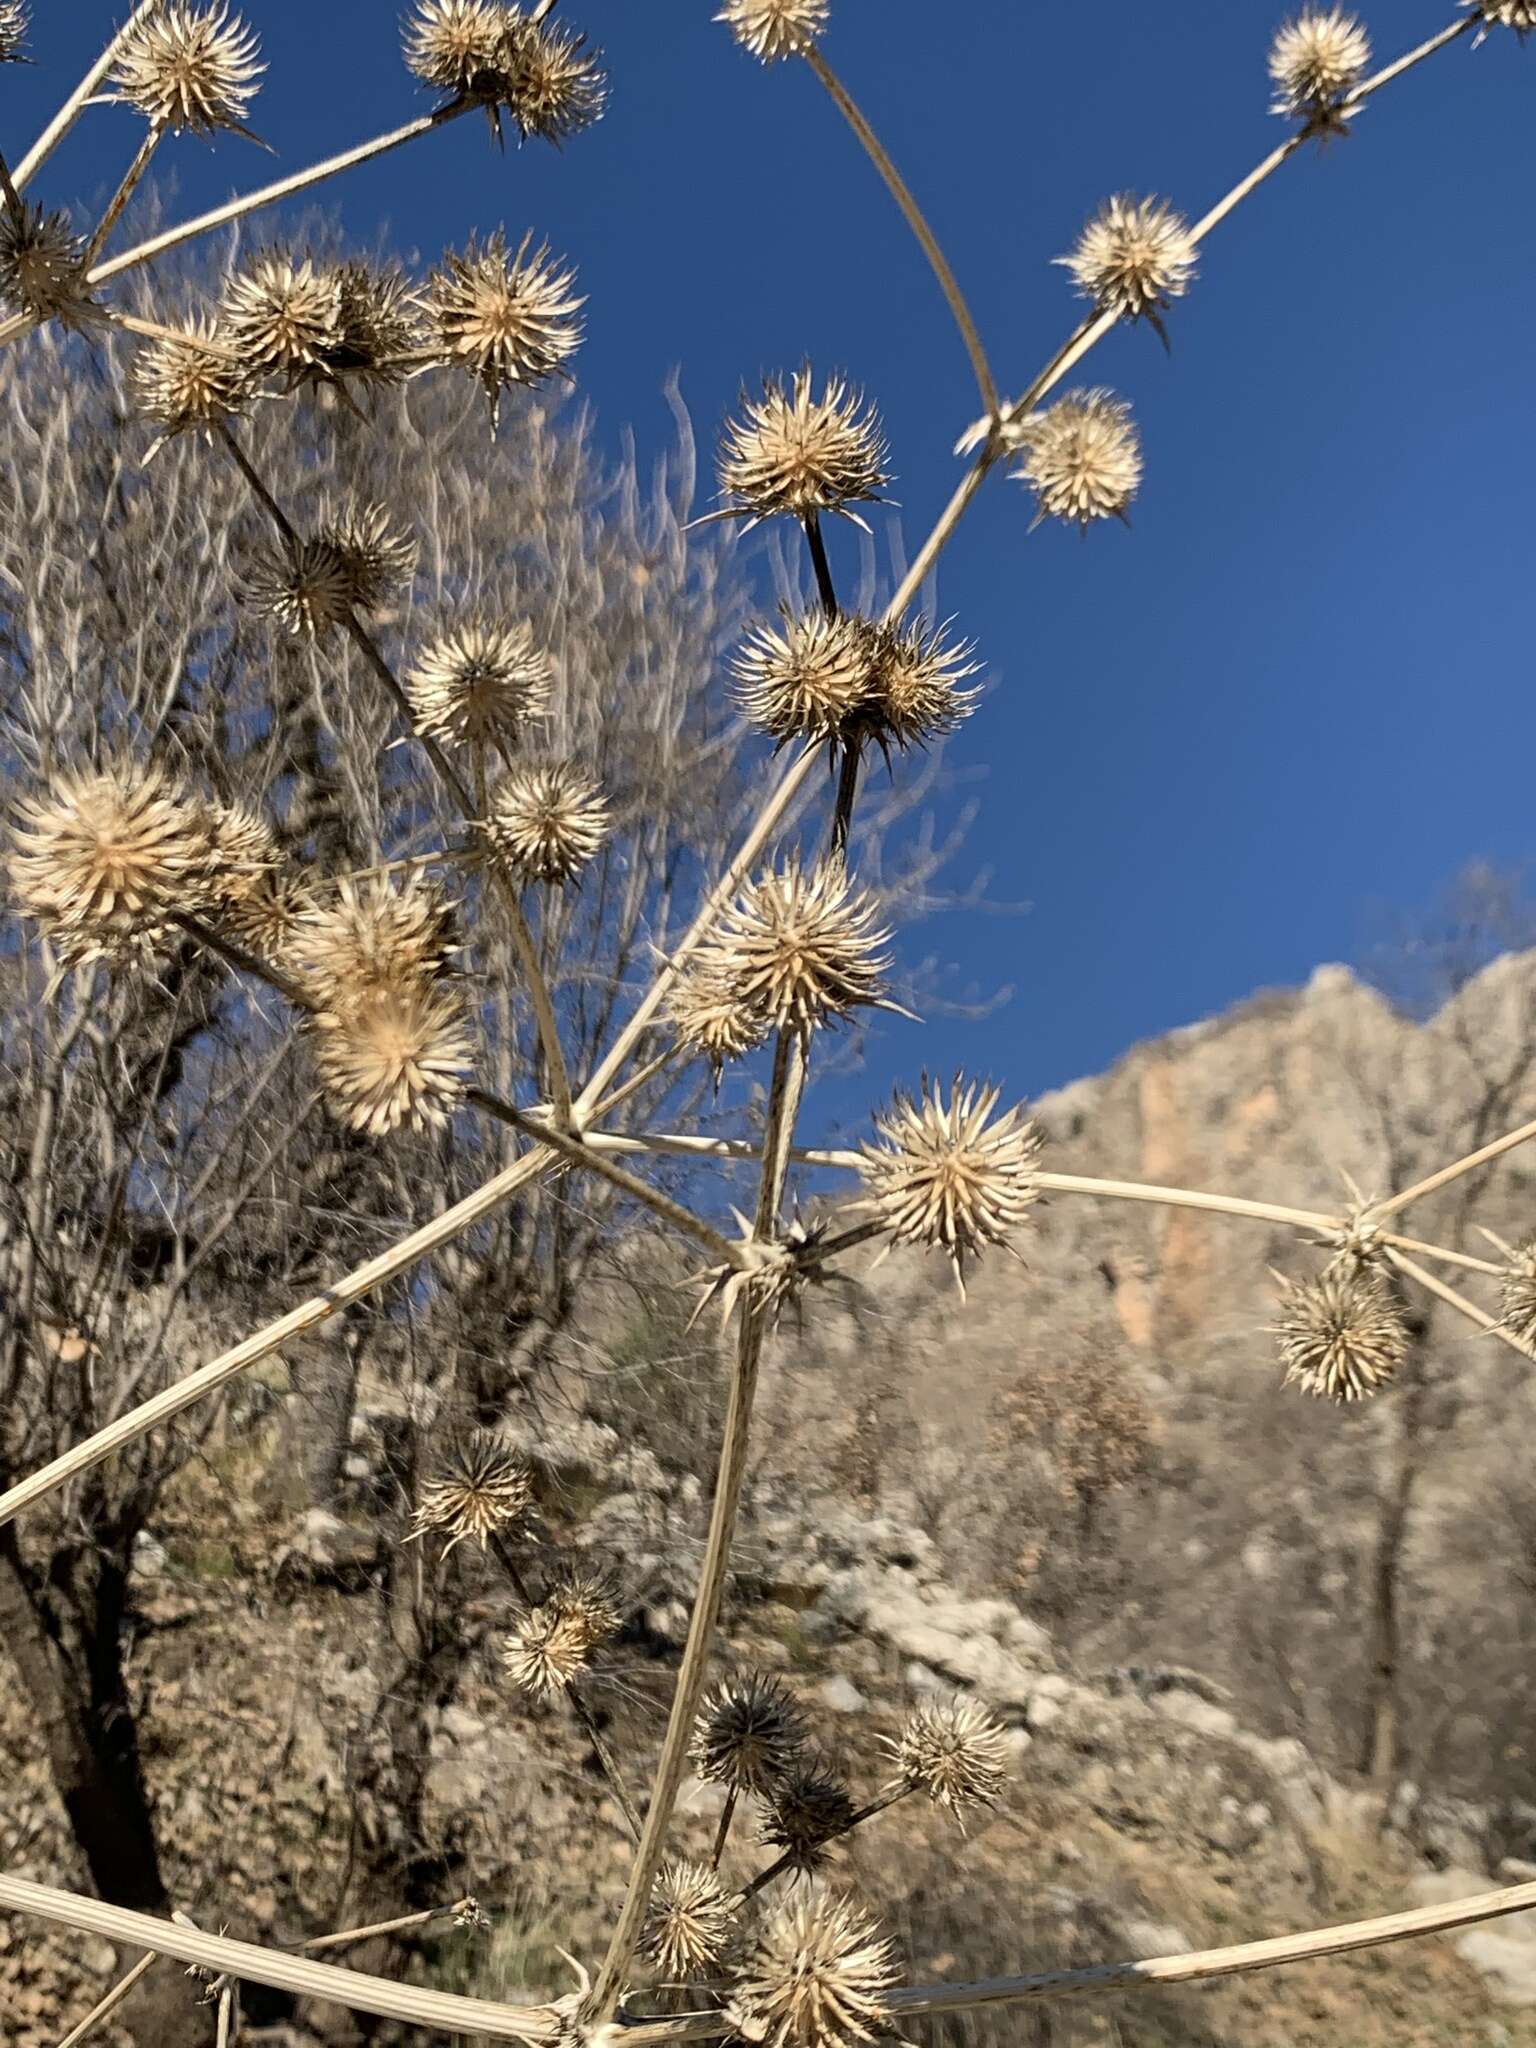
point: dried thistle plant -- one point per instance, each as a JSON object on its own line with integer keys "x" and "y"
{"x": 547, "y": 820}
{"x": 555, "y": 84}
{"x": 808, "y": 1807}
{"x": 1133, "y": 257}
{"x": 378, "y": 558}
{"x": 1342, "y": 1335}
{"x": 376, "y": 933}
{"x": 393, "y": 1057}
{"x": 816, "y": 1977}
{"x": 774, "y": 29}
{"x": 551, "y": 1644}
{"x": 797, "y": 950}
{"x": 190, "y": 68}
{"x": 750, "y": 1735}
{"x": 13, "y": 32}
{"x": 281, "y": 317}
{"x": 305, "y": 587}
{"x": 1517, "y": 1302}
{"x": 690, "y": 1922}
{"x": 481, "y": 679}
{"x": 1082, "y": 458}
{"x": 191, "y": 384}
{"x": 954, "y": 1752}
{"x": 1316, "y": 61}
{"x": 506, "y": 318}
{"x": 852, "y": 681}
{"x": 455, "y": 46}
{"x": 42, "y": 266}
{"x": 1519, "y": 15}
{"x": 792, "y": 452}
{"x": 483, "y": 1489}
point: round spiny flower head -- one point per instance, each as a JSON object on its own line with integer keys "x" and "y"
{"x": 949, "y": 1174}
{"x": 545, "y": 1652}
{"x": 1316, "y": 61}
{"x": 690, "y": 1920}
{"x": 589, "y": 1602}
{"x": 378, "y": 337}
{"x": 266, "y": 916}
{"x": 547, "y": 820}
{"x": 101, "y": 859}
{"x": 555, "y": 84}
{"x": 816, "y": 1977}
{"x": 190, "y": 67}
{"x": 1082, "y": 457}
{"x": 188, "y": 384}
{"x": 772, "y": 29}
{"x": 1342, "y": 1335}
{"x": 1133, "y": 257}
{"x": 481, "y": 1488}
{"x": 954, "y": 1752}
{"x": 13, "y": 31}
{"x": 792, "y": 452}
{"x": 806, "y": 681}
{"x": 807, "y": 1808}
{"x": 482, "y": 679}
{"x": 306, "y": 588}
{"x": 797, "y": 950}
{"x": 751, "y": 1732}
{"x": 1519, "y": 15}
{"x": 456, "y": 46}
{"x": 709, "y": 1017}
{"x": 916, "y": 692}
{"x": 378, "y": 558}
{"x": 1517, "y": 1308}
{"x": 393, "y": 1056}
{"x": 245, "y": 851}
{"x": 375, "y": 935}
{"x": 42, "y": 266}
{"x": 506, "y": 319}
{"x": 282, "y": 317}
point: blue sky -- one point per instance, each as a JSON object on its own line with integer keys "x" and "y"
{"x": 1300, "y": 686}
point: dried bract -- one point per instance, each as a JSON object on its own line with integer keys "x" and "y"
{"x": 188, "y": 384}
{"x": 190, "y": 68}
{"x": 790, "y": 451}
{"x": 751, "y": 1733}
{"x": 375, "y": 934}
{"x": 773, "y": 29}
{"x": 951, "y": 1174}
{"x": 13, "y": 32}
{"x": 482, "y": 1488}
{"x": 1316, "y": 61}
{"x": 953, "y": 1752}
{"x": 506, "y": 318}
{"x": 1517, "y": 1305}
{"x": 282, "y": 317}
{"x": 555, "y": 86}
{"x": 393, "y": 1057}
{"x": 547, "y": 820}
{"x": 807, "y": 1808}
{"x": 479, "y": 680}
{"x": 307, "y": 588}
{"x": 1342, "y": 1335}
{"x": 42, "y": 266}
{"x": 378, "y": 558}
{"x": 1133, "y": 257}
{"x": 1081, "y": 457}
{"x": 817, "y": 1977}
{"x": 798, "y": 949}
{"x": 689, "y": 1922}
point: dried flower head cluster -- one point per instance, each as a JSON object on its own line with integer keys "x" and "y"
{"x": 480, "y": 679}
{"x": 798, "y": 949}
{"x": 13, "y": 32}
{"x": 551, "y": 1644}
{"x": 808, "y": 1807}
{"x": 849, "y": 680}
{"x": 190, "y": 68}
{"x": 541, "y": 74}
{"x": 751, "y": 1734}
{"x": 507, "y": 317}
{"x": 1517, "y": 1304}
{"x": 482, "y": 1488}
{"x": 547, "y": 820}
{"x": 104, "y": 858}
{"x": 773, "y": 29}
{"x": 953, "y": 1752}
{"x": 690, "y": 1920}
{"x": 304, "y": 322}
{"x": 42, "y": 266}
{"x": 1133, "y": 257}
{"x": 1316, "y": 61}
{"x": 188, "y": 383}
{"x": 792, "y": 452}
{"x": 816, "y": 1977}
{"x": 1081, "y": 457}
{"x": 951, "y": 1174}
{"x": 1342, "y": 1335}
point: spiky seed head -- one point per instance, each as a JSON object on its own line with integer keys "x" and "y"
{"x": 481, "y": 1488}
{"x": 374, "y": 934}
{"x": 1133, "y": 256}
{"x": 547, "y": 820}
{"x": 750, "y": 1734}
{"x": 555, "y": 85}
{"x": 456, "y": 46}
{"x": 1081, "y": 457}
{"x": 816, "y": 1977}
{"x": 481, "y": 679}
{"x": 190, "y": 68}
{"x": 1517, "y": 1307}
{"x": 103, "y": 858}
{"x": 306, "y": 588}
{"x": 13, "y": 32}
{"x": 544, "y": 1653}
{"x": 952, "y": 1751}
{"x": 773, "y": 29}
{"x": 265, "y": 917}
{"x": 245, "y": 850}
{"x": 42, "y": 266}
{"x": 790, "y": 451}
{"x": 589, "y": 1601}
{"x": 1519, "y": 15}
{"x": 186, "y": 384}
{"x": 505, "y": 317}
{"x": 394, "y": 1056}
{"x": 808, "y": 1807}
{"x": 1316, "y": 60}
{"x": 710, "y": 1018}
{"x": 799, "y": 949}
{"x": 917, "y": 691}
{"x": 378, "y": 558}
{"x": 378, "y": 333}
{"x": 950, "y": 1174}
{"x": 282, "y": 317}
{"x": 1342, "y": 1334}
{"x": 690, "y": 1920}
{"x": 806, "y": 680}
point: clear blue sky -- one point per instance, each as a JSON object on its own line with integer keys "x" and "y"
{"x": 1302, "y": 684}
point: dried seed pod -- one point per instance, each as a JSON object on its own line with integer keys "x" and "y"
{"x": 190, "y": 68}
{"x": 482, "y": 1488}
{"x": 708, "y": 1014}
{"x": 305, "y": 587}
{"x": 689, "y": 1922}
{"x": 816, "y": 1977}
{"x": 555, "y": 86}
{"x": 189, "y": 383}
{"x": 505, "y": 318}
{"x": 42, "y": 266}
{"x": 282, "y": 318}
{"x": 916, "y": 691}
{"x": 378, "y": 338}
{"x": 1081, "y": 457}
{"x": 1517, "y": 1306}
{"x": 552, "y": 1643}
{"x": 798, "y": 950}
{"x": 1316, "y": 60}
{"x": 455, "y": 46}
{"x": 374, "y": 934}
{"x": 808, "y": 1807}
{"x": 13, "y": 32}
{"x": 953, "y": 1752}
{"x": 792, "y": 452}
{"x": 1133, "y": 257}
{"x": 246, "y": 853}
{"x": 481, "y": 679}
{"x": 377, "y": 557}
{"x": 1520, "y": 15}
{"x": 394, "y": 1056}
{"x": 807, "y": 680}
{"x": 774, "y": 29}
{"x": 547, "y": 820}
{"x": 750, "y": 1734}
{"x": 1342, "y": 1335}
